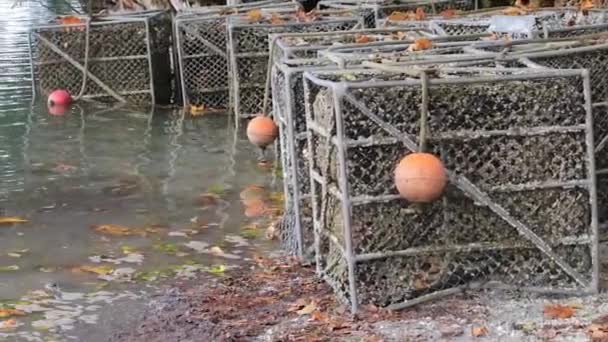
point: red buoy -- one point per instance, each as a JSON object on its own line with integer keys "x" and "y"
{"x": 59, "y": 97}
{"x": 420, "y": 177}
{"x": 262, "y": 131}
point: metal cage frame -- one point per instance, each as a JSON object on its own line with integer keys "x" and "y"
{"x": 339, "y": 93}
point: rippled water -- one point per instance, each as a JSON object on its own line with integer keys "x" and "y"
{"x": 144, "y": 170}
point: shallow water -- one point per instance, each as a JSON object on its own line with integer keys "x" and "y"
{"x": 142, "y": 169}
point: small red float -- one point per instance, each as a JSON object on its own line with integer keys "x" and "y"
{"x": 58, "y": 110}
{"x": 420, "y": 177}
{"x": 59, "y": 97}
{"x": 262, "y": 131}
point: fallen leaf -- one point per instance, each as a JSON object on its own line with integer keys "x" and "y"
{"x": 9, "y": 324}
{"x": 99, "y": 270}
{"x": 218, "y": 269}
{"x": 116, "y": 230}
{"x": 513, "y": 11}
{"x": 298, "y": 305}
{"x": 402, "y": 16}
{"x": 448, "y": 13}
{"x": 420, "y": 15}
{"x": 479, "y": 331}
{"x": 198, "y": 246}
{"x": 255, "y": 16}
{"x": 421, "y": 44}
{"x": 12, "y": 220}
{"x": 10, "y": 268}
{"x": 255, "y": 208}
{"x": 308, "y": 309}
{"x": 198, "y": 110}
{"x": 170, "y": 248}
{"x": 206, "y": 200}
{"x": 275, "y": 19}
{"x": 586, "y": 4}
{"x": 272, "y": 233}
{"x": 362, "y": 39}
{"x": 559, "y": 311}
{"x": 598, "y": 332}
{"x": 215, "y": 250}
{"x": 217, "y": 189}
{"x": 253, "y": 192}
{"x": 319, "y": 316}
{"x": 6, "y": 313}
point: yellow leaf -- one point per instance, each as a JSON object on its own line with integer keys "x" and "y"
{"x": 11, "y": 220}
{"x": 6, "y": 313}
{"x": 255, "y": 16}
{"x": 421, "y": 44}
{"x": 198, "y": 110}
{"x": 275, "y": 19}
{"x": 100, "y": 270}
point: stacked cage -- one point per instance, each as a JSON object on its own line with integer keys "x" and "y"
{"x": 123, "y": 58}
{"x": 520, "y": 210}
{"x": 202, "y": 46}
{"x": 249, "y": 53}
{"x": 546, "y": 23}
{"x": 289, "y": 113}
{"x": 377, "y": 11}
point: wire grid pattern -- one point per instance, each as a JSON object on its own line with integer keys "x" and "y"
{"x": 249, "y": 53}
{"x": 202, "y": 45}
{"x": 520, "y": 208}
{"x": 122, "y": 55}
{"x": 548, "y": 23}
{"x": 375, "y": 12}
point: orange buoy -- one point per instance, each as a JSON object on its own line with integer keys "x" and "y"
{"x": 262, "y": 131}
{"x": 420, "y": 177}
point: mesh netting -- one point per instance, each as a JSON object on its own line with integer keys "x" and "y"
{"x": 126, "y": 56}
{"x": 249, "y": 56}
{"x": 518, "y": 210}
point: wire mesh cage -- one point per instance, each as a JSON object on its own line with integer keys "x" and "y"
{"x": 125, "y": 58}
{"x": 202, "y": 45}
{"x": 520, "y": 209}
{"x": 249, "y": 53}
{"x": 306, "y": 45}
{"x": 289, "y": 113}
{"x": 546, "y": 23}
{"x": 376, "y": 11}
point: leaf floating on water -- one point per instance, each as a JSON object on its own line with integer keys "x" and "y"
{"x": 559, "y": 311}
{"x": 6, "y": 220}
{"x": 275, "y": 19}
{"x": 362, "y": 39}
{"x": 218, "y": 269}
{"x": 421, "y": 44}
{"x": 99, "y": 270}
{"x": 114, "y": 229}
{"x": 207, "y": 200}
{"x": 448, "y": 13}
{"x": 198, "y": 110}
{"x": 10, "y": 268}
{"x": 253, "y": 192}
{"x": 127, "y": 249}
{"x": 7, "y": 313}
{"x": 170, "y": 248}
{"x": 217, "y": 189}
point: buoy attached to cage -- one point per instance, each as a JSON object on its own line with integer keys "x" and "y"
{"x": 420, "y": 177}
{"x": 262, "y": 131}
{"x": 59, "y": 97}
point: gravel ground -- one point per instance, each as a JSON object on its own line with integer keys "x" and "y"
{"x": 278, "y": 300}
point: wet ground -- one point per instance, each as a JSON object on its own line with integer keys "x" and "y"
{"x": 277, "y": 300}
{"x": 116, "y": 201}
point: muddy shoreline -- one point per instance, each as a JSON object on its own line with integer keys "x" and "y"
{"x": 279, "y": 300}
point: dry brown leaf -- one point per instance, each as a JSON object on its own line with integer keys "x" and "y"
{"x": 12, "y": 220}
{"x": 319, "y": 316}
{"x": 6, "y": 313}
{"x": 275, "y": 19}
{"x": 402, "y": 16}
{"x": 116, "y": 230}
{"x": 420, "y": 15}
{"x": 587, "y": 4}
{"x": 100, "y": 270}
{"x": 559, "y": 311}
{"x": 598, "y": 332}
{"x": 308, "y": 309}
{"x": 448, "y": 13}
{"x": 513, "y": 11}
{"x": 255, "y": 208}
{"x": 362, "y": 39}
{"x": 298, "y": 305}
{"x": 479, "y": 331}
{"x": 198, "y": 110}
{"x": 421, "y": 44}
{"x": 255, "y": 16}
{"x": 206, "y": 200}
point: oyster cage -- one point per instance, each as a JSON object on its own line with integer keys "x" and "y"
{"x": 520, "y": 210}
{"x": 202, "y": 45}
{"x": 128, "y": 58}
{"x": 249, "y": 54}
{"x": 375, "y": 11}
{"x": 289, "y": 114}
{"x": 549, "y": 23}
{"x": 306, "y": 45}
